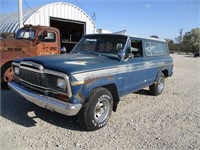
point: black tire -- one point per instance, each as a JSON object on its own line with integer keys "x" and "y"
{"x": 3, "y": 70}
{"x": 96, "y": 109}
{"x": 158, "y": 87}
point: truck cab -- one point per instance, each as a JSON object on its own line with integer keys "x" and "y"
{"x": 28, "y": 41}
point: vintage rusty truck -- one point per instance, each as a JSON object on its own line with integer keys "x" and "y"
{"x": 90, "y": 80}
{"x": 29, "y": 41}
{"x": 35, "y": 41}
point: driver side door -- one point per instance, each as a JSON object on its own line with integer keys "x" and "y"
{"x": 135, "y": 69}
{"x": 48, "y": 43}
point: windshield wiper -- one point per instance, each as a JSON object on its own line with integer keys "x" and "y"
{"x": 110, "y": 56}
{"x": 92, "y": 53}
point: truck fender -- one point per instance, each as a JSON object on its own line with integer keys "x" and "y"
{"x": 10, "y": 56}
{"x": 106, "y": 82}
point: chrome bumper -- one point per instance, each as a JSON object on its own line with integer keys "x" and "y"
{"x": 46, "y": 101}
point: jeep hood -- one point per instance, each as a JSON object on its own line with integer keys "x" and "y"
{"x": 73, "y": 63}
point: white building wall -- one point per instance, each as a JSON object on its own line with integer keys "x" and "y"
{"x": 60, "y": 10}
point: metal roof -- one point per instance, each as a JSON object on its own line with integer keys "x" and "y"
{"x": 10, "y": 22}
{"x": 41, "y": 16}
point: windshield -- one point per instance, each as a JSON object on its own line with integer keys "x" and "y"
{"x": 26, "y": 33}
{"x": 103, "y": 44}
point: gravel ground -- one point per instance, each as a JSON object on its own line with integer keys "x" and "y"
{"x": 142, "y": 121}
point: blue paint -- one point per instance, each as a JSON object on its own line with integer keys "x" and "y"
{"x": 94, "y": 63}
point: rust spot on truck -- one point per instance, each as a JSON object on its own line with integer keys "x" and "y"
{"x": 92, "y": 80}
{"x": 80, "y": 96}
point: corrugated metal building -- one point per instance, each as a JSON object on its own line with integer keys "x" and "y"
{"x": 61, "y": 15}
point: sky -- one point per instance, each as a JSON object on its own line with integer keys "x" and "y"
{"x": 163, "y": 18}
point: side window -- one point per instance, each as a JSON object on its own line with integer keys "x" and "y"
{"x": 136, "y": 47}
{"x": 155, "y": 49}
{"x": 148, "y": 48}
{"x": 51, "y": 37}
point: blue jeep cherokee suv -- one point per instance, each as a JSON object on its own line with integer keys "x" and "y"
{"x": 90, "y": 80}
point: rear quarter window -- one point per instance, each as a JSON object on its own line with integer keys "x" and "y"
{"x": 155, "y": 49}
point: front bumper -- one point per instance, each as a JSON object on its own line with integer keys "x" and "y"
{"x": 46, "y": 101}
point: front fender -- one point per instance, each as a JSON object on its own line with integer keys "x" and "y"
{"x": 82, "y": 91}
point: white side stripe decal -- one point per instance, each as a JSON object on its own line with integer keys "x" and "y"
{"x": 118, "y": 70}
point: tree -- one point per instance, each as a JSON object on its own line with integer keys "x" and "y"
{"x": 172, "y": 46}
{"x": 191, "y": 41}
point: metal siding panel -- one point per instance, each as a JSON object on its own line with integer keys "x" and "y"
{"x": 73, "y": 13}
{"x": 37, "y": 18}
{"x": 62, "y": 11}
{"x": 41, "y": 16}
{"x": 46, "y": 16}
{"x": 68, "y": 13}
{"x": 50, "y": 11}
{"x": 54, "y": 11}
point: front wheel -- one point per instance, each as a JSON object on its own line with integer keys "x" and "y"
{"x": 158, "y": 87}
{"x": 7, "y": 74}
{"x": 96, "y": 110}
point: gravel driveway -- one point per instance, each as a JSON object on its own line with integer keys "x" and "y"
{"x": 142, "y": 121}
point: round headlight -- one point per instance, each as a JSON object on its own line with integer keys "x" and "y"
{"x": 61, "y": 83}
{"x": 16, "y": 70}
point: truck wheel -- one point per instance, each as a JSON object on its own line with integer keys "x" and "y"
{"x": 96, "y": 110}
{"x": 158, "y": 87}
{"x": 7, "y": 74}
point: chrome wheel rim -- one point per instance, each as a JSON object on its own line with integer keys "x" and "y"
{"x": 161, "y": 85}
{"x": 8, "y": 75}
{"x": 101, "y": 110}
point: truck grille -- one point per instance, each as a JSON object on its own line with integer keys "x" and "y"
{"x": 34, "y": 76}
{"x": 39, "y": 79}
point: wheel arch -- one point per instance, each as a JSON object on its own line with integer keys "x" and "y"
{"x": 165, "y": 72}
{"x": 10, "y": 61}
{"x": 108, "y": 83}
{"x": 113, "y": 90}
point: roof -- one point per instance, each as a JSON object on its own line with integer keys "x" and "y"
{"x": 12, "y": 24}
{"x": 41, "y": 27}
{"x": 149, "y": 38}
{"x": 42, "y": 14}
{"x": 136, "y": 37}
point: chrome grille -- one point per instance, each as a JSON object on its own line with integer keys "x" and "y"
{"x": 34, "y": 76}
{"x": 39, "y": 79}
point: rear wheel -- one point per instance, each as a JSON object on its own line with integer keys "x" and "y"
{"x": 7, "y": 74}
{"x": 96, "y": 110}
{"x": 158, "y": 87}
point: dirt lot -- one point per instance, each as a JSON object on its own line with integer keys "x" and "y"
{"x": 168, "y": 121}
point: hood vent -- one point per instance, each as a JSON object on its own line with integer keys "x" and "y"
{"x": 14, "y": 49}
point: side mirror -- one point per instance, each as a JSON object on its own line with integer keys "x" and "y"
{"x": 129, "y": 53}
{"x": 121, "y": 55}
{"x": 37, "y": 42}
{"x": 63, "y": 50}
{"x": 38, "y": 39}
{"x": 45, "y": 33}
